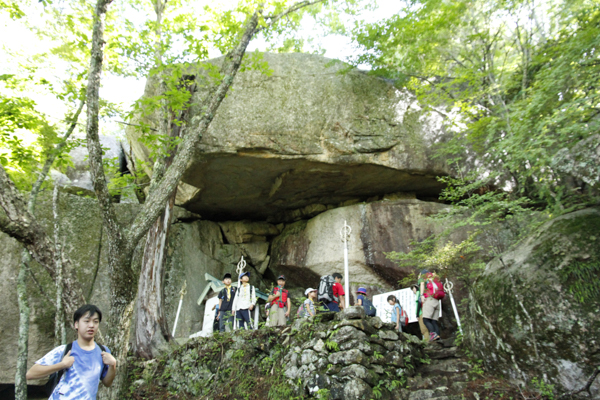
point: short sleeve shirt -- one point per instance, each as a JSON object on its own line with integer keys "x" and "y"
{"x": 227, "y": 301}
{"x": 81, "y": 380}
{"x": 338, "y": 290}
{"x": 309, "y": 305}
{"x": 394, "y": 313}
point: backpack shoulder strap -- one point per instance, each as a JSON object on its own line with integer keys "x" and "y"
{"x": 60, "y": 373}
{"x": 102, "y": 348}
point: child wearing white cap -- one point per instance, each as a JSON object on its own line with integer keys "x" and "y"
{"x": 309, "y": 303}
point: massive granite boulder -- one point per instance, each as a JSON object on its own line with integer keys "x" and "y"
{"x": 535, "y": 312}
{"x": 311, "y": 132}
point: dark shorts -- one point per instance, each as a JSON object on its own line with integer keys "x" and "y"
{"x": 333, "y": 306}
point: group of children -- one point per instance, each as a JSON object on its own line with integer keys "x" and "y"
{"x": 238, "y": 302}
{"x": 427, "y": 305}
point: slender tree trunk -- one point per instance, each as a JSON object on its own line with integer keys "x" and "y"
{"x": 24, "y": 311}
{"x": 59, "y": 320}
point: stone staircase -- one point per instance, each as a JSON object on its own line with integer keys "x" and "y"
{"x": 445, "y": 377}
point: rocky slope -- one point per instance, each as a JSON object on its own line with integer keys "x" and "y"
{"x": 535, "y": 312}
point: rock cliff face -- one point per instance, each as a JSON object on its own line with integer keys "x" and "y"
{"x": 308, "y": 134}
{"x": 536, "y": 311}
{"x": 302, "y": 250}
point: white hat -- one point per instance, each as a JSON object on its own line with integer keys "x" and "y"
{"x": 307, "y": 291}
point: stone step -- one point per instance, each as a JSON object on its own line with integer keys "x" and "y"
{"x": 429, "y": 394}
{"x": 438, "y": 353}
{"x": 445, "y": 367}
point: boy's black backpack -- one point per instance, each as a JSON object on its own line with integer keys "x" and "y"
{"x": 55, "y": 377}
{"x": 325, "y": 292}
{"x": 369, "y": 307}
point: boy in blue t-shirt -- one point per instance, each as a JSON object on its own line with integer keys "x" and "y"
{"x": 85, "y": 365}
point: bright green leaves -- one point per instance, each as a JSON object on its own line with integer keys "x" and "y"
{"x": 521, "y": 80}
{"x": 12, "y": 8}
{"x": 25, "y": 139}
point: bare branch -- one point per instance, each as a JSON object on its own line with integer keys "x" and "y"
{"x": 586, "y": 387}
{"x": 140, "y": 126}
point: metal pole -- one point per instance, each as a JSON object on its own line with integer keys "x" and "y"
{"x": 256, "y": 316}
{"x": 345, "y": 233}
{"x": 449, "y": 286}
{"x": 239, "y": 269}
{"x": 181, "y": 294}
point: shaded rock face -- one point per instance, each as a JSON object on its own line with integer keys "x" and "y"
{"x": 536, "y": 312}
{"x": 305, "y": 135}
{"x": 309, "y": 249}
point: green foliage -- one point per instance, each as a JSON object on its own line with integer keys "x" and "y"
{"x": 446, "y": 259}
{"x": 323, "y": 394}
{"x": 518, "y": 87}
{"x": 582, "y": 279}
{"x": 545, "y": 389}
{"x": 26, "y": 139}
{"x": 332, "y": 346}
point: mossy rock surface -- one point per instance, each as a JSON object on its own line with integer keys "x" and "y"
{"x": 535, "y": 312}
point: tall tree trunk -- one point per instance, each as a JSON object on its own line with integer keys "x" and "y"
{"x": 152, "y": 330}
{"x": 24, "y": 311}
{"x": 59, "y": 320}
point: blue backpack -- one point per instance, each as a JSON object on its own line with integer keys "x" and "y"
{"x": 369, "y": 307}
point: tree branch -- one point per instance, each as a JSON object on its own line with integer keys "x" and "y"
{"x": 50, "y": 160}
{"x": 18, "y": 223}
{"x": 585, "y": 388}
{"x": 114, "y": 229}
{"x": 157, "y": 199}
{"x": 274, "y": 18}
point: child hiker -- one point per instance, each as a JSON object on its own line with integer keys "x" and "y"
{"x": 83, "y": 364}
{"x": 361, "y": 300}
{"x": 396, "y": 311}
{"x": 308, "y": 307}
{"x": 280, "y": 304}
{"x": 245, "y": 301}
{"x": 226, "y": 297}
{"x": 424, "y": 330}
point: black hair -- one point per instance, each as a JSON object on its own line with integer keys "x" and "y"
{"x": 85, "y": 310}
{"x": 392, "y": 297}
{"x": 337, "y": 275}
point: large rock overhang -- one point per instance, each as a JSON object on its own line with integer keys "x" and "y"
{"x": 311, "y": 132}
{"x": 248, "y": 186}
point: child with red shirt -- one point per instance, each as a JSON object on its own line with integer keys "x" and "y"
{"x": 279, "y": 300}
{"x": 338, "y": 294}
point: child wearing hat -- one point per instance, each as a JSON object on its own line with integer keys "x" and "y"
{"x": 361, "y": 300}
{"x": 226, "y": 297}
{"x": 245, "y": 301}
{"x": 280, "y": 304}
{"x": 309, "y": 303}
